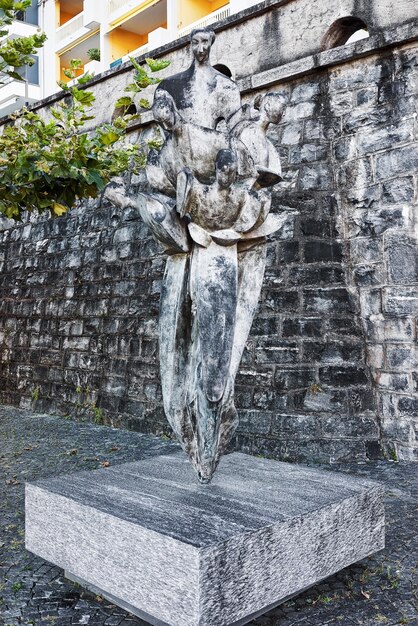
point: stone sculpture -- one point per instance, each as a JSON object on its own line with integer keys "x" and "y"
{"x": 209, "y": 207}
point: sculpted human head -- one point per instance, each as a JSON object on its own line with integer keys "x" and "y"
{"x": 226, "y": 168}
{"x": 164, "y": 110}
{"x": 271, "y": 106}
{"x": 201, "y": 40}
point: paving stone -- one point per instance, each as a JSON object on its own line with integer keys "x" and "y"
{"x": 381, "y": 590}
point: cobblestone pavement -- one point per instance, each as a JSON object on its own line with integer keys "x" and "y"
{"x": 378, "y": 591}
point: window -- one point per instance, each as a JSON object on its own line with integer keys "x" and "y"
{"x": 31, "y": 74}
{"x": 30, "y": 15}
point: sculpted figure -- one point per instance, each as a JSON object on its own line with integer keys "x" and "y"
{"x": 253, "y": 133}
{"x": 191, "y": 146}
{"x": 225, "y": 209}
{"x": 209, "y": 207}
{"x": 202, "y": 94}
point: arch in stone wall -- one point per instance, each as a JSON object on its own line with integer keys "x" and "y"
{"x": 341, "y": 30}
{"x": 223, "y": 69}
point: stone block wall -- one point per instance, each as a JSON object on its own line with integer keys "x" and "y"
{"x": 329, "y": 371}
{"x": 343, "y": 294}
{"x": 376, "y": 165}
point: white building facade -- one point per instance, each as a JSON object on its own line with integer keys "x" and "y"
{"x": 113, "y": 29}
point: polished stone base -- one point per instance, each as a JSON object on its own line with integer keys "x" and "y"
{"x": 176, "y": 553}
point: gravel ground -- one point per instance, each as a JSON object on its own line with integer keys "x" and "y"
{"x": 381, "y": 590}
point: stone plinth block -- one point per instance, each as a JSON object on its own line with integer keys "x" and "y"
{"x": 178, "y": 553}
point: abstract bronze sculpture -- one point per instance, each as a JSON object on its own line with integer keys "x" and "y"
{"x": 209, "y": 206}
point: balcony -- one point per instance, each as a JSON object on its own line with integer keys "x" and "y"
{"x": 21, "y": 29}
{"x": 136, "y": 53}
{"x": 80, "y": 51}
{"x": 134, "y": 28}
{"x": 216, "y": 16}
{"x": 121, "y": 10}
{"x": 14, "y": 94}
{"x": 73, "y": 29}
{"x": 114, "y": 5}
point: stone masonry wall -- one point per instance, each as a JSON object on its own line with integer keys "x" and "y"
{"x": 376, "y": 165}
{"x": 344, "y": 292}
{"x": 329, "y": 372}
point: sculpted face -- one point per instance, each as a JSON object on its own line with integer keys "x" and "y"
{"x": 273, "y": 106}
{"x": 164, "y": 111}
{"x": 226, "y": 168}
{"x": 201, "y": 42}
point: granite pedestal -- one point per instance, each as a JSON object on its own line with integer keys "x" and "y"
{"x": 177, "y": 553}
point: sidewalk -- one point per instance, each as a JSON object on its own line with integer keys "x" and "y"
{"x": 380, "y": 591}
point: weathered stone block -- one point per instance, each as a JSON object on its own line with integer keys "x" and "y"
{"x": 394, "y": 382}
{"x": 316, "y": 177}
{"x": 370, "y": 302}
{"x": 176, "y": 553}
{"x": 385, "y": 138}
{"x": 336, "y": 352}
{"x": 399, "y": 190}
{"x": 369, "y": 275}
{"x": 357, "y": 173}
{"x": 397, "y": 161}
{"x": 327, "y": 301}
{"x": 316, "y": 251}
{"x": 292, "y": 133}
{"x": 350, "y": 427}
{"x": 282, "y": 300}
{"x": 316, "y": 274}
{"x": 300, "y": 378}
{"x": 401, "y": 356}
{"x": 375, "y": 222}
{"x": 342, "y": 376}
{"x": 400, "y": 301}
{"x": 329, "y": 401}
{"x": 255, "y": 422}
{"x": 408, "y": 407}
{"x": 306, "y": 327}
{"x": 283, "y": 352}
{"x": 402, "y": 250}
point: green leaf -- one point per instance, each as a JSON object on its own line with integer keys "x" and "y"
{"x": 156, "y": 66}
{"x": 76, "y": 64}
{"x": 125, "y": 101}
{"x": 84, "y": 97}
{"x": 108, "y": 138}
{"x": 82, "y": 80}
{"x": 63, "y": 85}
{"x": 94, "y": 177}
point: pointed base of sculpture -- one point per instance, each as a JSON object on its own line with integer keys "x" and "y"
{"x": 151, "y": 539}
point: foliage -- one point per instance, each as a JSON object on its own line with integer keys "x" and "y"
{"x": 141, "y": 80}
{"x": 17, "y": 52}
{"x": 93, "y": 54}
{"x": 47, "y": 165}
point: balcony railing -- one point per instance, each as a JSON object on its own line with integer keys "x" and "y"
{"x": 20, "y": 29}
{"x": 216, "y": 16}
{"x": 69, "y": 28}
{"x": 137, "y": 52}
{"x": 114, "y": 5}
{"x": 14, "y": 94}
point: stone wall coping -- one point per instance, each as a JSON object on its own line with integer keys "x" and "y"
{"x": 387, "y": 38}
